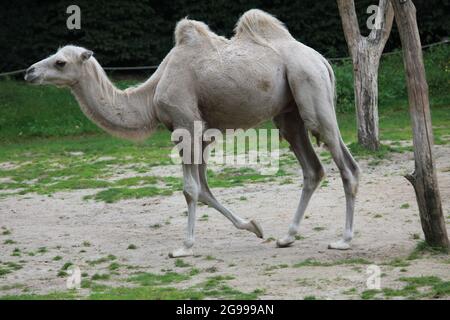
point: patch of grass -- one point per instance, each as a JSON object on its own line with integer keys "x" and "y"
{"x": 4, "y": 271}
{"x": 9, "y": 241}
{"x": 233, "y": 177}
{"x": 64, "y": 295}
{"x": 369, "y": 294}
{"x": 423, "y": 248}
{"x": 179, "y": 263}
{"x": 16, "y": 252}
{"x": 350, "y": 291}
{"x": 416, "y": 287}
{"x": 132, "y": 247}
{"x": 211, "y": 269}
{"x": 66, "y": 266}
{"x": 12, "y": 287}
{"x": 194, "y": 272}
{"x": 153, "y": 287}
{"x": 405, "y": 206}
{"x": 152, "y": 279}
{"x": 86, "y": 244}
{"x": 101, "y": 260}
{"x": 99, "y": 276}
{"x": 62, "y": 274}
{"x": 398, "y": 263}
{"x": 310, "y": 298}
{"x": 57, "y": 258}
{"x": 42, "y": 250}
{"x": 146, "y": 293}
{"x": 318, "y": 228}
{"x": 114, "y": 266}
{"x": 416, "y": 236}
{"x": 286, "y": 181}
{"x": 325, "y": 183}
{"x": 8, "y": 267}
{"x": 275, "y": 267}
{"x": 115, "y": 194}
{"x": 315, "y": 263}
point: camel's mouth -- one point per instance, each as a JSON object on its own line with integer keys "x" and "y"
{"x": 31, "y": 78}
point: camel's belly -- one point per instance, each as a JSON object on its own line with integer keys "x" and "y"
{"x": 241, "y": 91}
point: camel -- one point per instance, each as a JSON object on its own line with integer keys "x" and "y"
{"x": 261, "y": 73}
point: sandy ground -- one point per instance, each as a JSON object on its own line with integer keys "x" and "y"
{"x": 384, "y": 231}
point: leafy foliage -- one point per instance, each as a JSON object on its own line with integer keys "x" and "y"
{"x": 140, "y": 32}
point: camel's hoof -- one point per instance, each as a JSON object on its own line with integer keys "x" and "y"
{"x": 286, "y": 242}
{"x": 255, "y": 227}
{"x": 339, "y": 245}
{"x": 182, "y": 252}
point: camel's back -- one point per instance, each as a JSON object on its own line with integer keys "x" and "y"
{"x": 237, "y": 82}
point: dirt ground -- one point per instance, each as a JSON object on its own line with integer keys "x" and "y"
{"x": 386, "y": 223}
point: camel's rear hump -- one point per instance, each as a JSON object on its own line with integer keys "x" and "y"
{"x": 260, "y": 26}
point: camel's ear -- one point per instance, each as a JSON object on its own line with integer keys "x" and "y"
{"x": 86, "y": 55}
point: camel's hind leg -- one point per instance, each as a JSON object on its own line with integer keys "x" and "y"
{"x": 313, "y": 94}
{"x": 350, "y": 177}
{"x": 293, "y": 130}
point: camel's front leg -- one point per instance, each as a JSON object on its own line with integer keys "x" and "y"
{"x": 191, "y": 190}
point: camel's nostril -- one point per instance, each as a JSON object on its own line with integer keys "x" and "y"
{"x": 29, "y": 74}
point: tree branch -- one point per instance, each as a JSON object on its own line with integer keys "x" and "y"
{"x": 379, "y": 36}
{"x": 350, "y": 24}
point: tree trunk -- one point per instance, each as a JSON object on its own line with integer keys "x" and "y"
{"x": 424, "y": 179}
{"x": 366, "y": 53}
{"x": 365, "y": 72}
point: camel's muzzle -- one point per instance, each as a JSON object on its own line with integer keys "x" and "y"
{"x": 30, "y": 76}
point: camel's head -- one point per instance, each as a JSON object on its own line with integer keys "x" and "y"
{"x": 64, "y": 68}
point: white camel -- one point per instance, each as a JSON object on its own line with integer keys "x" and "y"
{"x": 261, "y": 73}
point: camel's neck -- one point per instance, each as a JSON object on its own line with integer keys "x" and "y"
{"x": 125, "y": 113}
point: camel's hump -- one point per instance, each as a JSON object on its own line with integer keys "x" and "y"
{"x": 191, "y": 31}
{"x": 256, "y": 24}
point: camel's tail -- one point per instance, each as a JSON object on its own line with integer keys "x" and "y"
{"x": 261, "y": 27}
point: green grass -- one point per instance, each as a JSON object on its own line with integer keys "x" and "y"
{"x": 413, "y": 288}
{"x": 101, "y": 260}
{"x": 316, "y": 263}
{"x": 423, "y": 248}
{"x": 180, "y": 263}
{"x": 103, "y": 276}
{"x": 150, "y": 286}
{"x": 65, "y": 295}
{"x": 151, "y": 279}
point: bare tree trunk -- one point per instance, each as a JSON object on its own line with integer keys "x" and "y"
{"x": 423, "y": 179}
{"x": 365, "y": 73}
{"x": 366, "y": 53}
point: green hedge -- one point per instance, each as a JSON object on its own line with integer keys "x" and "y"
{"x": 129, "y": 33}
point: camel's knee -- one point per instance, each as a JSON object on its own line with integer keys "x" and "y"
{"x": 191, "y": 190}
{"x": 312, "y": 178}
{"x": 350, "y": 179}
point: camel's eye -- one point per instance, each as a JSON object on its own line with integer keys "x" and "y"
{"x": 60, "y": 63}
